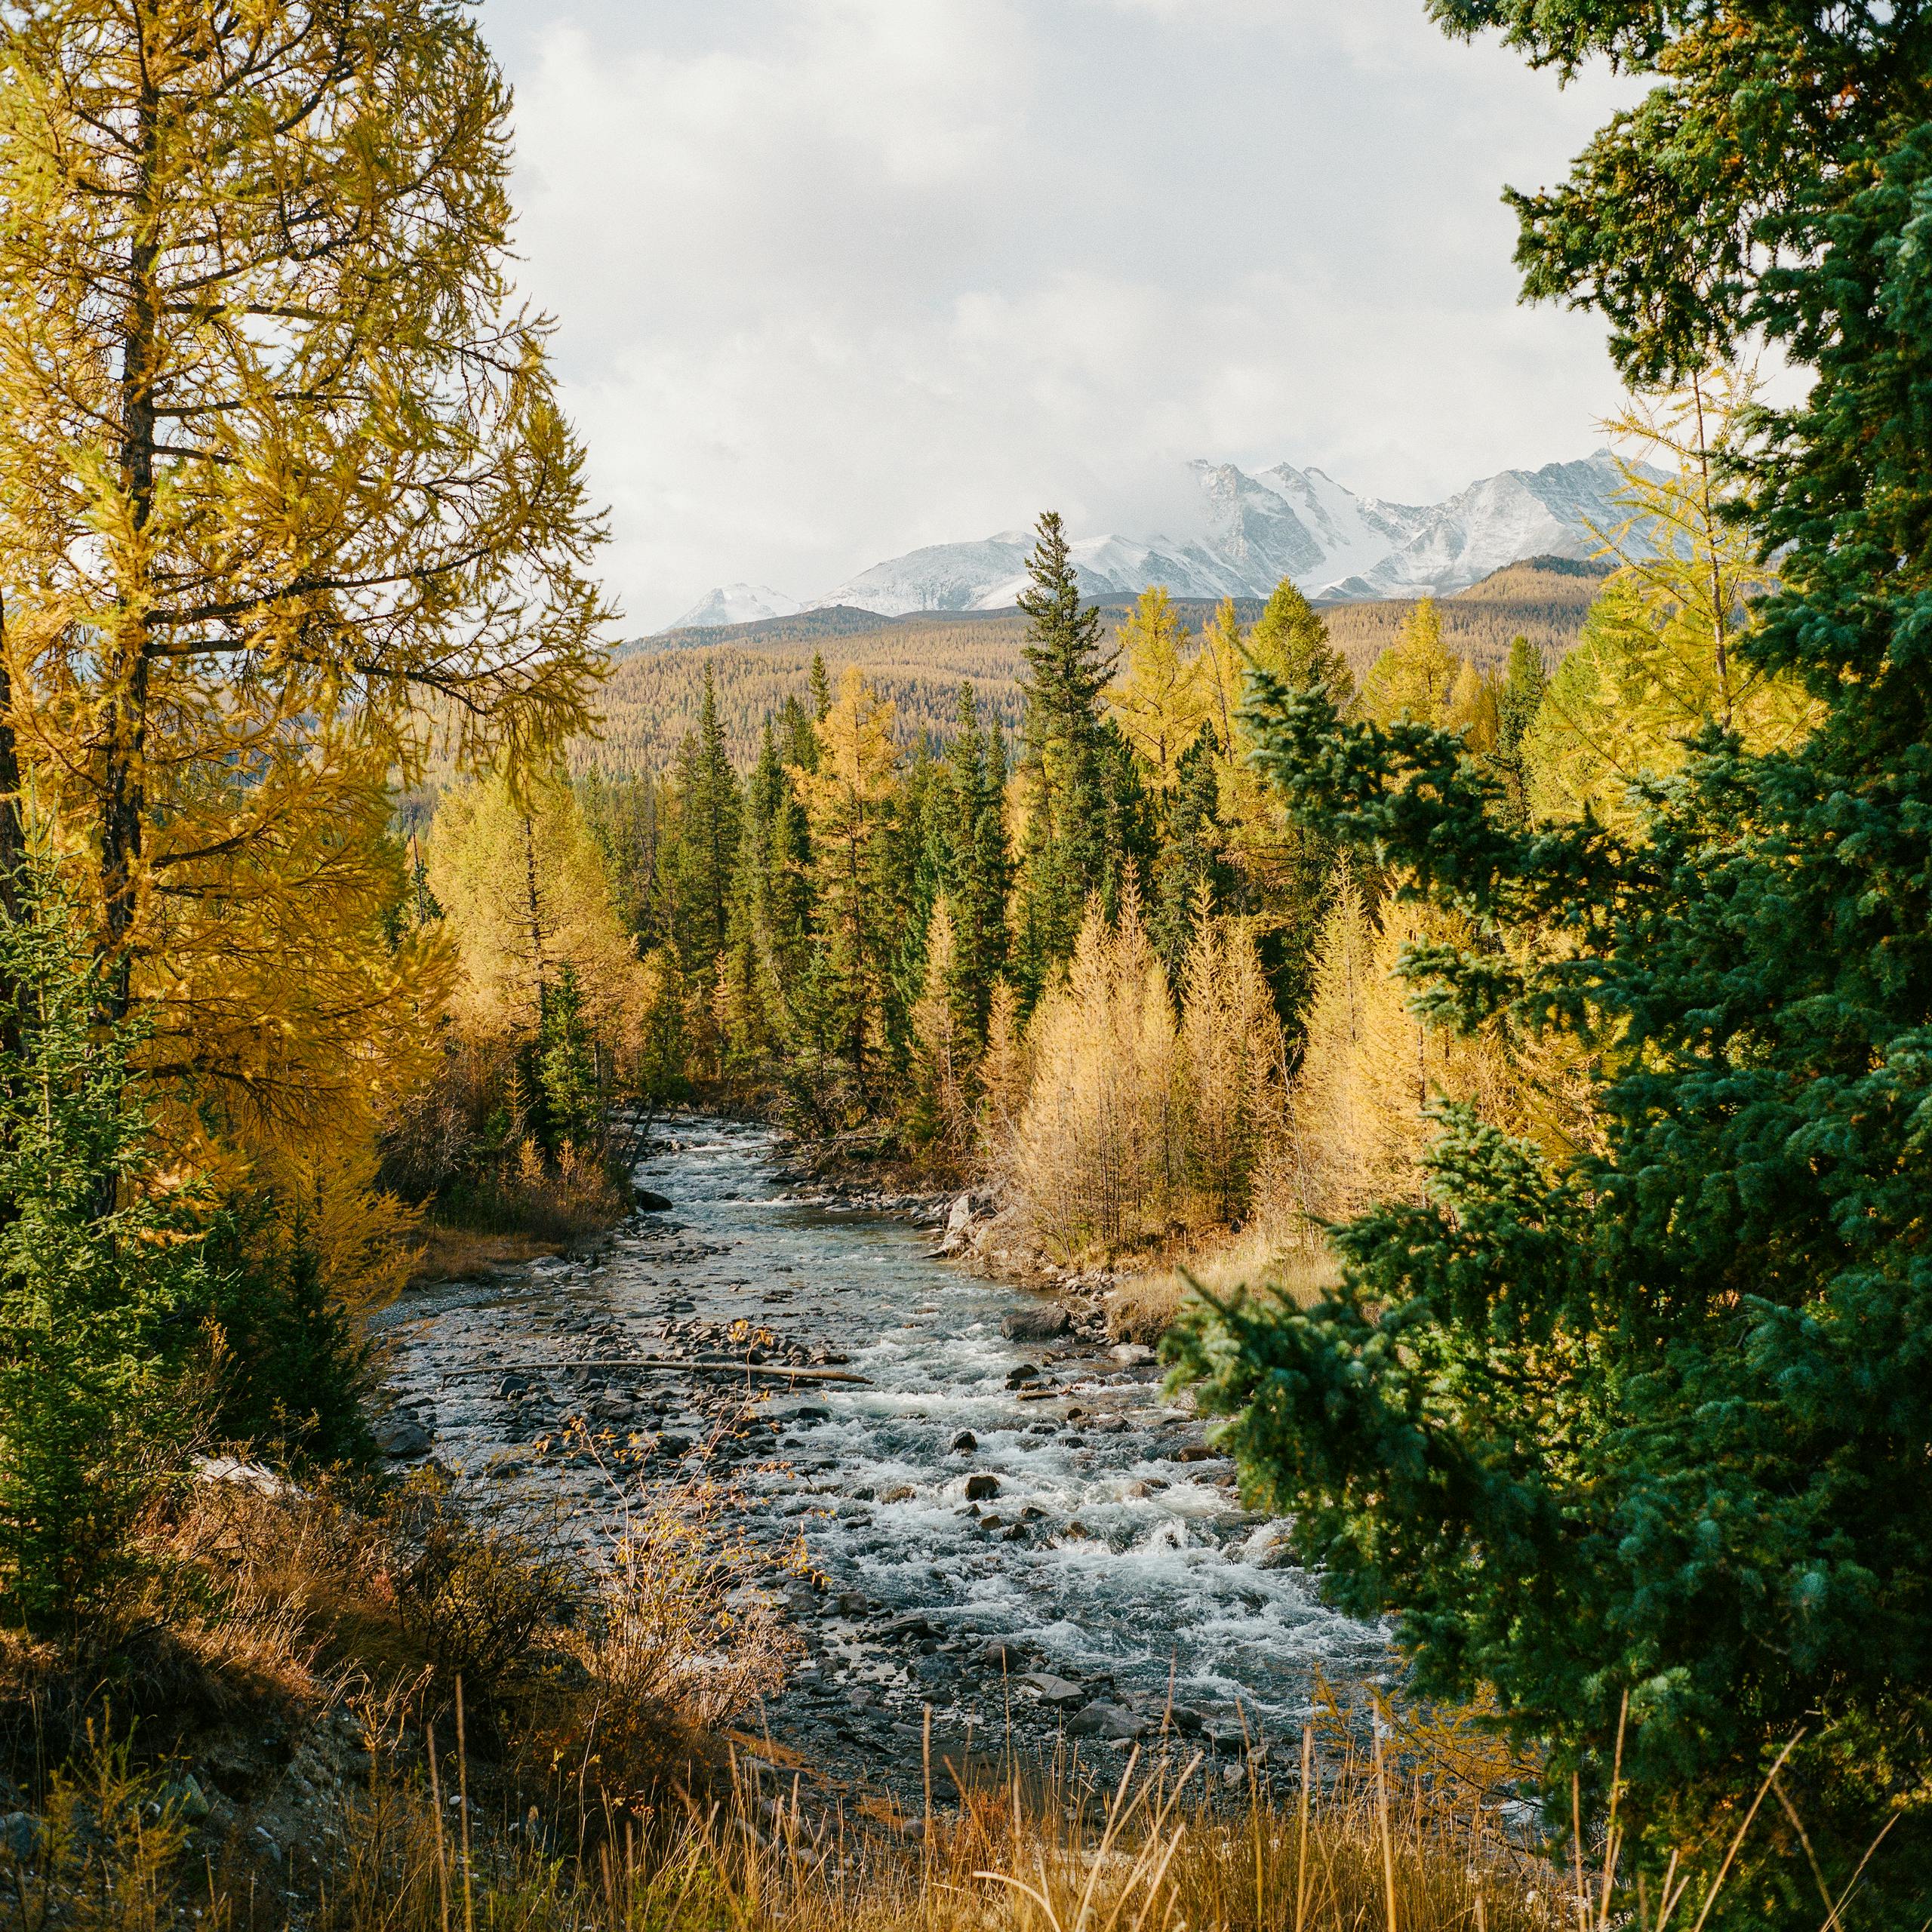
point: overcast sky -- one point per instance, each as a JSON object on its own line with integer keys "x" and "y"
{"x": 837, "y": 278}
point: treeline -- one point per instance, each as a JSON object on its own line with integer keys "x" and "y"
{"x": 655, "y": 688}
{"x": 1084, "y": 953}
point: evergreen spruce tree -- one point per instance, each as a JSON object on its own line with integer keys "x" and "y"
{"x": 98, "y": 1264}
{"x": 1076, "y": 821}
{"x": 571, "y": 1090}
{"x": 1518, "y": 701}
{"x": 1192, "y": 880}
{"x": 765, "y": 929}
{"x": 797, "y": 734}
{"x": 1639, "y": 1435}
{"x": 1278, "y": 874}
{"x": 708, "y": 813}
{"x": 980, "y": 875}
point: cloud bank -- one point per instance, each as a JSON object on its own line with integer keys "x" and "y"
{"x": 837, "y": 278}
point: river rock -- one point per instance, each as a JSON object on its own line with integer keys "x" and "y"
{"x": 1133, "y": 1354}
{"x": 1018, "y": 1377}
{"x": 1036, "y": 1325}
{"x": 651, "y": 1201}
{"x": 981, "y": 1487}
{"x": 400, "y": 1435}
{"x": 964, "y": 1443}
{"x": 1051, "y": 1690}
{"x": 1191, "y": 1452}
{"x": 1101, "y": 1719}
{"x": 958, "y": 1224}
{"x": 1002, "y": 1653}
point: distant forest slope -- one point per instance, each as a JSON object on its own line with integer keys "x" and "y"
{"x": 657, "y": 683}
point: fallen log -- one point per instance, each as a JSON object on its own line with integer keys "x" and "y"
{"x": 712, "y": 1368}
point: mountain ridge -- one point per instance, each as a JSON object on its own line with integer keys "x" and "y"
{"x": 1254, "y": 530}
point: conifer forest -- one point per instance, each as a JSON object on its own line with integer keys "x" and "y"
{"x": 1121, "y": 1260}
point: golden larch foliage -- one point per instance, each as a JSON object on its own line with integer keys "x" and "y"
{"x": 1161, "y": 702}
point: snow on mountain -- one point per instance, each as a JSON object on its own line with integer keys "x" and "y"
{"x": 1285, "y": 522}
{"x": 736, "y": 604}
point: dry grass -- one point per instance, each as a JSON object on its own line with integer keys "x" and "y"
{"x": 437, "y": 1834}
{"x": 1142, "y": 1308}
{"x": 451, "y": 1254}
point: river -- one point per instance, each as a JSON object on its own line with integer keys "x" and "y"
{"x": 1106, "y": 1572}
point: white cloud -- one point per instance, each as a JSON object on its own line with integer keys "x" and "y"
{"x": 838, "y": 277}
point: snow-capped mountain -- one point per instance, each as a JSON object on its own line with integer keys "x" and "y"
{"x": 736, "y": 604}
{"x": 1253, "y": 531}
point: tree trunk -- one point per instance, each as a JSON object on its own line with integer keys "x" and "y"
{"x": 124, "y": 801}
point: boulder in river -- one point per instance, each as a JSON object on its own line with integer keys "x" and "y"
{"x": 1133, "y": 1354}
{"x": 400, "y": 1435}
{"x": 1051, "y": 1690}
{"x": 651, "y": 1201}
{"x": 981, "y": 1487}
{"x": 1101, "y": 1719}
{"x": 1018, "y": 1378}
{"x": 1042, "y": 1323}
{"x": 964, "y": 1443}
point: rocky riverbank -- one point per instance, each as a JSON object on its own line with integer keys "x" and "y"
{"x": 972, "y": 1503}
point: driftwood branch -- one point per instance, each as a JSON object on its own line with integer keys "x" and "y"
{"x": 665, "y": 1361}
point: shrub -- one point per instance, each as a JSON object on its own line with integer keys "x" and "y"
{"x": 100, "y": 1273}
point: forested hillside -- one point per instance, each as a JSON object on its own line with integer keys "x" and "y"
{"x": 1440, "y": 1093}
{"x": 657, "y": 684}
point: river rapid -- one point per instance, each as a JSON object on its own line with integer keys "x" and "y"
{"x": 1100, "y": 1577}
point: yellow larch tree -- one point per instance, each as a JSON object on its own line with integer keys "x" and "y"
{"x": 849, "y": 798}
{"x": 1095, "y": 1157}
{"x": 1160, "y": 702}
{"x": 1234, "y": 1062}
{"x": 1415, "y": 677}
{"x": 1658, "y": 659}
{"x": 283, "y": 464}
{"x": 941, "y": 1102}
{"x": 525, "y": 896}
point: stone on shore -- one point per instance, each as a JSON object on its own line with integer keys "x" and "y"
{"x": 1043, "y": 1324}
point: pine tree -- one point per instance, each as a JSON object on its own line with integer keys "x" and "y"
{"x": 708, "y": 814}
{"x": 1085, "y": 819}
{"x": 980, "y": 876}
{"x": 571, "y": 1090}
{"x": 1192, "y": 880}
{"x": 99, "y": 1262}
{"x": 1517, "y": 702}
{"x": 765, "y": 927}
{"x": 623, "y": 815}
{"x": 1276, "y": 873}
